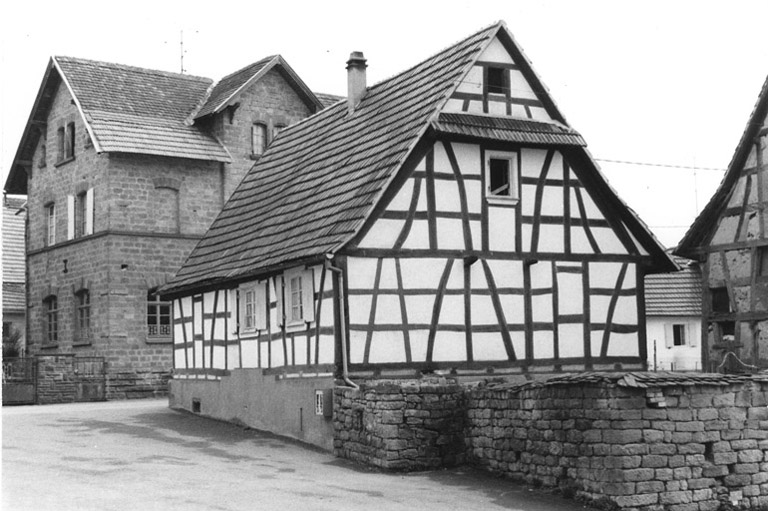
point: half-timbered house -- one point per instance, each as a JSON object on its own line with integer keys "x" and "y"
{"x": 447, "y": 219}
{"x": 730, "y": 238}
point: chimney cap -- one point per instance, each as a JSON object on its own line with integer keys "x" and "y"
{"x": 356, "y": 59}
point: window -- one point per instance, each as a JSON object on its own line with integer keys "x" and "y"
{"x": 762, "y": 259}
{"x": 259, "y": 139}
{"x": 497, "y": 80}
{"x": 60, "y": 145}
{"x": 253, "y": 306}
{"x": 720, "y": 301}
{"x": 83, "y": 315}
{"x": 297, "y": 307}
{"x": 299, "y": 297}
{"x": 158, "y": 316}
{"x": 69, "y": 143}
{"x": 50, "y": 225}
{"x": 51, "y": 311}
{"x": 81, "y": 212}
{"x": 501, "y": 175}
{"x": 678, "y": 335}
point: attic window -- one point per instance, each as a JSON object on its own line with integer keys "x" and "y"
{"x": 496, "y": 80}
{"x": 258, "y": 139}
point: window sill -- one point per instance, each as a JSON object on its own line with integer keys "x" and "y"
{"x": 502, "y": 201}
{"x": 159, "y": 340}
{"x": 78, "y": 344}
{"x": 255, "y": 156}
{"x": 49, "y": 346}
{"x": 64, "y": 161}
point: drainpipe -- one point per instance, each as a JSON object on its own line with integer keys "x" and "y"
{"x": 343, "y": 321}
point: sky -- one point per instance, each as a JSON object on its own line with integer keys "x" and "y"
{"x": 666, "y": 85}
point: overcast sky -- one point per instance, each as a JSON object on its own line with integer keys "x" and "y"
{"x": 662, "y": 82}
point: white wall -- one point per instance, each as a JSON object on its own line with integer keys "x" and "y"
{"x": 667, "y": 356}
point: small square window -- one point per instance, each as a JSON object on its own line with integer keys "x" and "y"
{"x": 497, "y": 80}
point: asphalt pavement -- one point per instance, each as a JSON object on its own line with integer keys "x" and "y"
{"x": 140, "y": 455}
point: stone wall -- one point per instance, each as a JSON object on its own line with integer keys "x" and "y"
{"x": 60, "y": 380}
{"x": 645, "y": 441}
{"x": 407, "y": 425}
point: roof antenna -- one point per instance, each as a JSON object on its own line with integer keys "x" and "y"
{"x": 181, "y": 44}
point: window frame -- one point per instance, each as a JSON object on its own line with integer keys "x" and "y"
{"x": 81, "y": 212}
{"x": 679, "y": 334}
{"x": 69, "y": 141}
{"x": 500, "y": 89}
{"x": 253, "y": 307}
{"x": 511, "y": 157}
{"x": 51, "y": 319}
{"x": 154, "y": 303}
{"x": 259, "y": 140}
{"x": 50, "y": 224}
{"x": 83, "y": 316}
{"x": 301, "y": 298}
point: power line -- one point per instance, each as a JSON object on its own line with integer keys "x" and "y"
{"x": 664, "y": 165}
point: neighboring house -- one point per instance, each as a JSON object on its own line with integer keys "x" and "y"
{"x": 125, "y": 168}
{"x": 447, "y": 219}
{"x": 730, "y": 239}
{"x": 14, "y": 303}
{"x": 673, "y": 318}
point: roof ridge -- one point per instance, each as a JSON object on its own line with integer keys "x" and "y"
{"x": 243, "y": 68}
{"x": 158, "y": 72}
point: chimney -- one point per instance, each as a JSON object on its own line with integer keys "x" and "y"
{"x": 355, "y": 79}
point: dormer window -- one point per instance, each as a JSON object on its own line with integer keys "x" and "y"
{"x": 258, "y": 139}
{"x": 497, "y": 80}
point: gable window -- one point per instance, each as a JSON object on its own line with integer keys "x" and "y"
{"x": 497, "y": 80}
{"x": 51, "y": 311}
{"x": 253, "y": 306}
{"x": 60, "y": 144}
{"x": 50, "y": 224}
{"x": 69, "y": 143}
{"x": 83, "y": 316}
{"x": 258, "y": 139}
{"x": 501, "y": 175}
{"x": 158, "y": 316}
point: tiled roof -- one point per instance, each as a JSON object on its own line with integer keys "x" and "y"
{"x": 136, "y": 110}
{"x": 315, "y": 185}
{"x": 13, "y": 241}
{"x": 131, "y": 134}
{"x": 14, "y": 299}
{"x": 702, "y": 226}
{"x": 107, "y": 87}
{"x": 508, "y": 129}
{"x": 230, "y": 85}
{"x": 328, "y": 99}
{"x": 676, "y": 293}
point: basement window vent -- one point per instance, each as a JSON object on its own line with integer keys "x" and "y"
{"x": 195, "y": 405}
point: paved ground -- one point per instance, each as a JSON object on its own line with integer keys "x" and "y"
{"x": 142, "y": 455}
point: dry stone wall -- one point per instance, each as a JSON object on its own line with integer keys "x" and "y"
{"x": 643, "y": 441}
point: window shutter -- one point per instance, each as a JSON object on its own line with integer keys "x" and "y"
{"x": 279, "y": 297}
{"x": 234, "y": 315}
{"x": 308, "y": 295}
{"x": 669, "y": 335}
{"x": 691, "y": 339}
{"x": 89, "y": 212}
{"x": 241, "y": 309}
{"x": 70, "y": 217}
{"x": 262, "y": 308}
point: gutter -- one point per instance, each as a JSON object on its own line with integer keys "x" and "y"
{"x": 344, "y": 363}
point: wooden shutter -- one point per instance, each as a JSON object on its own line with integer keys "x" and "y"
{"x": 88, "y": 221}
{"x": 308, "y": 295}
{"x": 669, "y": 335}
{"x": 690, "y": 338}
{"x": 279, "y": 298}
{"x": 261, "y": 305}
{"x": 234, "y": 312}
{"x": 70, "y": 217}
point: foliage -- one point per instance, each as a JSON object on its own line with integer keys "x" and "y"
{"x": 12, "y": 344}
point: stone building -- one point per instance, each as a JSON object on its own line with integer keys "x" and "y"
{"x": 124, "y": 169}
{"x": 14, "y": 305}
{"x": 446, "y": 220}
{"x": 730, "y": 239}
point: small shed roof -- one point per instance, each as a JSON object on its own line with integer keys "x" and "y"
{"x": 675, "y": 293}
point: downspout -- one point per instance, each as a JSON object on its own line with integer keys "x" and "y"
{"x": 342, "y": 320}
